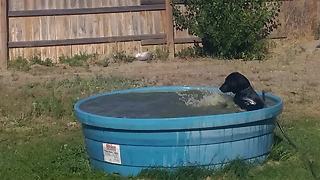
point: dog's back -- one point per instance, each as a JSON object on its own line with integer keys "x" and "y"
{"x": 249, "y": 100}
{"x": 245, "y": 96}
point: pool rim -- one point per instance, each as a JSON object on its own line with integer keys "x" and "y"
{"x": 175, "y": 123}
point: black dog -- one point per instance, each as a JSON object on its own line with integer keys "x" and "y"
{"x": 245, "y": 96}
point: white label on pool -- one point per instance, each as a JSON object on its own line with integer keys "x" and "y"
{"x": 111, "y": 153}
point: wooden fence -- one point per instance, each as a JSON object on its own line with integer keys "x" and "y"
{"x": 52, "y": 28}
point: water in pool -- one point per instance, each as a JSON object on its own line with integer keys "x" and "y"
{"x": 161, "y": 104}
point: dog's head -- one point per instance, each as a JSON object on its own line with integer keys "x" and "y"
{"x": 235, "y": 82}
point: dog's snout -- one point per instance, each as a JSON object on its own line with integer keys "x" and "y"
{"x": 223, "y": 88}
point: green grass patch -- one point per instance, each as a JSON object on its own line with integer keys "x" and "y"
{"x": 191, "y": 52}
{"x": 24, "y": 64}
{"x": 122, "y": 57}
{"x": 36, "y": 139}
{"x": 161, "y": 54}
{"x": 19, "y": 64}
{"x": 44, "y": 62}
{"x": 77, "y": 60}
{"x": 53, "y": 157}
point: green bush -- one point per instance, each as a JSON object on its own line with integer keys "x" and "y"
{"x": 229, "y": 28}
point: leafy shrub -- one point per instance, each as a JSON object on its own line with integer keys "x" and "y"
{"x": 230, "y": 28}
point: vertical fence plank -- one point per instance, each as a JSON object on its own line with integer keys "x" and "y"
{"x": 3, "y": 35}
{"x": 82, "y": 26}
{"x": 106, "y": 27}
{"x": 52, "y": 34}
{"x": 62, "y": 29}
{"x": 12, "y": 29}
{"x": 74, "y": 26}
{"x": 20, "y": 28}
{"x": 316, "y": 19}
{"x": 98, "y": 27}
{"x": 28, "y": 26}
{"x": 36, "y": 27}
{"x": 169, "y": 29}
{"x": 44, "y": 29}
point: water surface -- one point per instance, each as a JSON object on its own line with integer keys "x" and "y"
{"x": 161, "y": 104}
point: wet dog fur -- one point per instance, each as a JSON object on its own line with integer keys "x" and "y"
{"x": 245, "y": 96}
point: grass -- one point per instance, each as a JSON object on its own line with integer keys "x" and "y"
{"x": 190, "y": 52}
{"x": 81, "y": 60}
{"x": 24, "y": 64}
{"x": 40, "y": 139}
{"x": 161, "y": 54}
{"x": 19, "y": 64}
{"x": 122, "y": 57}
{"x": 77, "y": 60}
{"x": 36, "y": 139}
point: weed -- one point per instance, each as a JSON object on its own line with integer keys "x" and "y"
{"x": 103, "y": 61}
{"x": 161, "y": 54}
{"x": 48, "y": 105}
{"x": 237, "y": 168}
{"x": 19, "y": 64}
{"x": 122, "y": 57}
{"x": 24, "y": 64}
{"x": 190, "y": 52}
{"x": 77, "y": 60}
{"x": 316, "y": 31}
{"x": 187, "y": 173}
{"x": 281, "y": 151}
{"x": 37, "y": 60}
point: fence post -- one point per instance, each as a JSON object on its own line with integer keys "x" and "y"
{"x": 317, "y": 17}
{"x": 3, "y": 35}
{"x": 169, "y": 29}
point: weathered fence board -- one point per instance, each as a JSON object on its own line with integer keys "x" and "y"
{"x": 83, "y": 11}
{"x": 3, "y": 35}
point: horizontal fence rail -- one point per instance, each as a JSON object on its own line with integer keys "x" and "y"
{"x": 81, "y": 41}
{"x": 84, "y": 11}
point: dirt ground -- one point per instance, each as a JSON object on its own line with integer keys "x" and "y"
{"x": 291, "y": 72}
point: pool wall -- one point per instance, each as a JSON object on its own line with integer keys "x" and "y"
{"x": 126, "y": 146}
